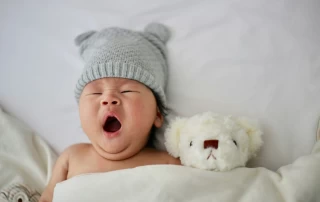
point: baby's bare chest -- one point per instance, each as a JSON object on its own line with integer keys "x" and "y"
{"x": 96, "y": 164}
{"x": 92, "y": 164}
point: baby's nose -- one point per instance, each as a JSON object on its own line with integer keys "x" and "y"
{"x": 114, "y": 102}
{"x": 211, "y": 143}
{"x": 110, "y": 101}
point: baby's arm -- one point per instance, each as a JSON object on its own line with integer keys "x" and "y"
{"x": 59, "y": 174}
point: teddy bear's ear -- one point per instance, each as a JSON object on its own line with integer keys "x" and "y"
{"x": 172, "y": 136}
{"x": 254, "y": 132}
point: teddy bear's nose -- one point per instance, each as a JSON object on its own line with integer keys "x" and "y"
{"x": 211, "y": 143}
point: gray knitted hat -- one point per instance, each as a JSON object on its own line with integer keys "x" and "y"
{"x": 117, "y": 52}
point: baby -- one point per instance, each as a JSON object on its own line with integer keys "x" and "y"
{"x": 121, "y": 100}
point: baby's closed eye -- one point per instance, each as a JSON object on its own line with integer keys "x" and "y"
{"x": 94, "y": 94}
{"x": 129, "y": 91}
{"x": 126, "y": 91}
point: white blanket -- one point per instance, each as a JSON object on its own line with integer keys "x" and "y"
{"x": 299, "y": 181}
{"x": 25, "y": 162}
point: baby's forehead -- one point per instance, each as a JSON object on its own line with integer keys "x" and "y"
{"x": 113, "y": 81}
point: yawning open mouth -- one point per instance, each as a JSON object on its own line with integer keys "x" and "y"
{"x": 112, "y": 124}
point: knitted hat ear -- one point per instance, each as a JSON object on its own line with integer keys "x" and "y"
{"x": 82, "y": 37}
{"x": 158, "y": 30}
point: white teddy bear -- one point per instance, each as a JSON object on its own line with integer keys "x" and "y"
{"x": 213, "y": 142}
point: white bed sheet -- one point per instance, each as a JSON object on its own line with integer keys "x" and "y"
{"x": 256, "y": 58}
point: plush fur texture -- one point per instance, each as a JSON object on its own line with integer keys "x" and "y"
{"x": 236, "y": 140}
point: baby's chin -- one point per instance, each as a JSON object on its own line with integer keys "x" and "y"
{"x": 118, "y": 153}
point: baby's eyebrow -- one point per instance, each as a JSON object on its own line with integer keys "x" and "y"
{"x": 129, "y": 84}
{"x": 92, "y": 87}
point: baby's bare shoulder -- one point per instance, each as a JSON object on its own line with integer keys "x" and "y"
{"x": 78, "y": 149}
{"x": 162, "y": 156}
{"x": 170, "y": 159}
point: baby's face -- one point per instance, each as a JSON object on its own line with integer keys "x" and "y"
{"x": 117, "y": 115}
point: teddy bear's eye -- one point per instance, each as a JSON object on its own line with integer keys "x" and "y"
{"x": 190, "y": 143}
{"x": 235, "y": 142}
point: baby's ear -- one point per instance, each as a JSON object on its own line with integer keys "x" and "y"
{"x": 172, "y": 136}
{"x": 159, "y": 119}
{"x": 83, "y": 37}
{"x": 254, "y": 132}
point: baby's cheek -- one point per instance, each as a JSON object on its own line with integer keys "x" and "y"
{"x": 145, "y": 108}
{"x": 88, "y": 115}
{"x": 85, "y": 112}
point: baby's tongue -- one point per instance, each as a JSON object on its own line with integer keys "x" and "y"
{"x": 112, "y": 125}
